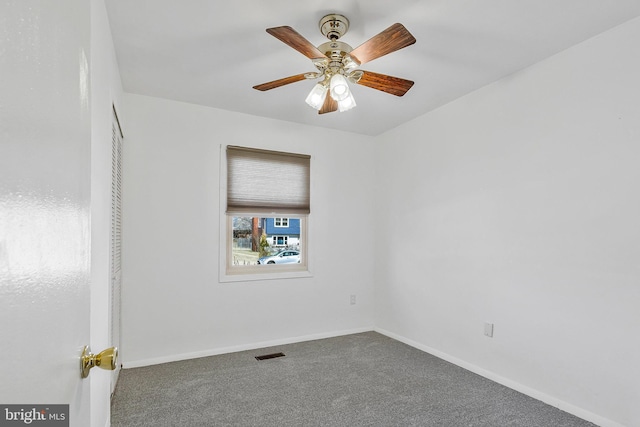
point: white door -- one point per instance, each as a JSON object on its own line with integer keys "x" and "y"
{"x": 44, "y": 203}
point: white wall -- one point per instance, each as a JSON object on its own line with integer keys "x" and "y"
{"x": 173, "y": 304}
{"x": 521, "y": 201}
{"x": 106, "y": 91}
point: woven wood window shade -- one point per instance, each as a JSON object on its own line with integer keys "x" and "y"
{"x": 267, "y": 182}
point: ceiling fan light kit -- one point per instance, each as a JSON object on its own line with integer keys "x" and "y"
{"x": 339, "y": 88}
{"x": 347, "y": 104}
{"x": 337, "y": 63}
{"x": 317, "y": 95}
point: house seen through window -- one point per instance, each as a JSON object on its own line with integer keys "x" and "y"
{"x": 263, "y": 240}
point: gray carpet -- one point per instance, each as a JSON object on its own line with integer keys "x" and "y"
{"x": 356, "y": 380}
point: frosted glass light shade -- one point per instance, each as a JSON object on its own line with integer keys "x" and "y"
{"x": 339, "y": 87}
{"x": 316, "y": 96}
{"x": 347, "y": 104}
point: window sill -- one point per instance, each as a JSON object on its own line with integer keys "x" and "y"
{"x": 255, "y": 274}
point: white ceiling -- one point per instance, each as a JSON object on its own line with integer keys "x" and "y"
{"x": 212, "y": 52}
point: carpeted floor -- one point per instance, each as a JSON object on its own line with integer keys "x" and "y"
{"x": 355, "y": 380}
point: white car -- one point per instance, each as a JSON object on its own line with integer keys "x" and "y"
{"x": 283, "y": 257}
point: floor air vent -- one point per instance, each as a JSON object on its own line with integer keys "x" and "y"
{"x": 269, "y": 356}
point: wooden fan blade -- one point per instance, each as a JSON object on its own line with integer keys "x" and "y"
{"x": 280, "y": 82}
{"x": 291, "y": 37}
{"x": 393, "y": 38}
{"x": 393, "y": 85}
{"x": 329, "y": 105}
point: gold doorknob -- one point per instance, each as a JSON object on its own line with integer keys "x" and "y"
{"x": 106, "y": 359}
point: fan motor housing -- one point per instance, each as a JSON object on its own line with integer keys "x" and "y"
{"x": 335, "y": 50}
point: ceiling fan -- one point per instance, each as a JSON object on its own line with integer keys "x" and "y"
{"x": 338, "y": 63}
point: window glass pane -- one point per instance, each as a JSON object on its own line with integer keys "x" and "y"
{"x": 256, "y": 241}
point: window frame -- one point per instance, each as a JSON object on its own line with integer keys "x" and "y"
{"x": 230, "y": 273}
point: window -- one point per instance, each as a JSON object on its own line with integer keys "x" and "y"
{"x": 281, "y": 222}
{"x": 267, "y": 208}
{"x": 280, "y": 240}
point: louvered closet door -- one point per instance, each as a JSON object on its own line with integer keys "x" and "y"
{"x": 116, "y": 236}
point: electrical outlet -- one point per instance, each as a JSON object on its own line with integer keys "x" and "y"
{"x": 488, "y": 329}
{"x": 353, "y": 300}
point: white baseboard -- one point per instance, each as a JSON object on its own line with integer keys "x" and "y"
{"x": 235, "y": 349}
{"x": 536, "y": 394}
